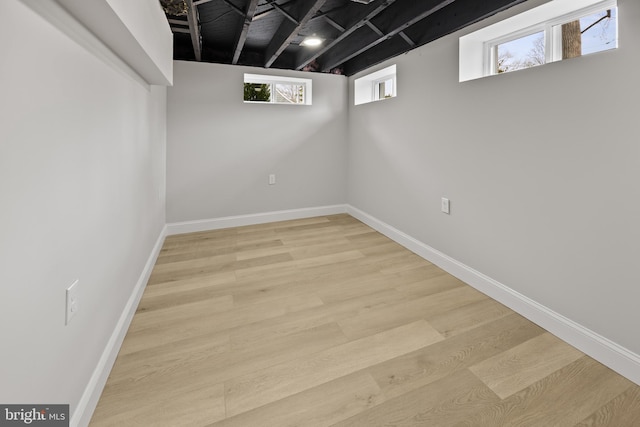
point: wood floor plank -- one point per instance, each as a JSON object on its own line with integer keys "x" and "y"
{"x": 320, "y": 406}
{"x": 563, "y": 398}
{"x": 469, "y": 316}
{"x": 624, "y": 410}
{"x": 145, "y": 334}
{"x": 525, "y": 364}
{"x": 137, "y": 375}
{"x": 303, "y": 319}
{"x": 279, "y": 381}
{"x": 424, "y": 366}
{"x": 404, "y": 312}
{"x": 189, "y": 284}
{"x": 442, "y": 403}
{"x": 194, "y": 407}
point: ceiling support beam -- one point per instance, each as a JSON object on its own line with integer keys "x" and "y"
{"x": 178, "y": 22}
{"x": 244, "y": 31}
{"x": 334, "y": 24}
{"x": 374, "y": 29}
{"x": 404, "y": 16}
{"x": 363, "y": 20}
{"x": 235, "y": 8}
{"x": 286, "y": 14}
{"x": 268, "y": 12}
{"x": 406, "y": 38}
{"x": 287, "y": 31}
{"x": 194, "y": 29}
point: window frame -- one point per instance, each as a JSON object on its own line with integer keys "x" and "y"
{"x": 376, "y": 87}
{"x": 271, "y": 80}
{"x": 550, "y": 30}
{"x": 477, "y": 49}
{"x": 366, "y": 88}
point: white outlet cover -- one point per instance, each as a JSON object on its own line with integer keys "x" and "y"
{"x": 445, "y": 205}
{"x": 73, "y": 302}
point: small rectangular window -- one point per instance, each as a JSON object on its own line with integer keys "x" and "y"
{"x": 376, "y": 86}
{"x": 384, "y": 88}
{"x": 277, "y": 90}
{"x": 554, "y": 31}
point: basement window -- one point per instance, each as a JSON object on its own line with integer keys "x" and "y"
{"x": 276, "y": 90}
{"x": 552, "y": 32}
{"x": 375, "y": 86}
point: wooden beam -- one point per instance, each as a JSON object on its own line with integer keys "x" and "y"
{"x": 287, "y": 31}
{"x": 244, "y": 30}
{"x": 178, "y": 22}
{"x": 374, "y": 29}
{"x": 334, "y": 24}
{"x": 407, "y": 39}
{"x": 180, "y": 30}
{"x": 268, "y": 12}
{"x": 362, "y": 20}
{"x": 286, "y": 14}
{"x": 194, "y": 29}
{"x": 235, "y": 8}
{"x": 403, "y": 16}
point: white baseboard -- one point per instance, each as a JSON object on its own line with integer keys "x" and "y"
{"x": 607, "y": 352}
{"x": 89, "y": 400}
{"x": 252, "y": 219}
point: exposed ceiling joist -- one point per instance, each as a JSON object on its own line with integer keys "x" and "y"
{"x": 374, "y": 29}
{"x": 334, "y": 24}
{"x": 431, "y": 28}
{"x": 244, "y": 31}
{"x": 284, "y": 13}
{"x": 178, "y": 22}
{"x": 407, "y": 39}
{"x": 194, "y": 29}
{"x": 267, "y": 12}
{"x": 235, "y": 8}
{"x": 362, "y": 20}
{"x": 287, "y": 31}
{"x": 357, "y": 34}
{"x": 404, "y": 16}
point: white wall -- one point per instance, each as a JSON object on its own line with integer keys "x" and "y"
{"x": 82, "y": 152}
{"x": 220, "y": 150}
{"x": 542, "y": 167}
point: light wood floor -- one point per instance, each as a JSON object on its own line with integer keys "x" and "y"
{"x": 325, "y": 322}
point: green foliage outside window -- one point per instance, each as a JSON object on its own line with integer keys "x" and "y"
{"x": 258, "y": 92}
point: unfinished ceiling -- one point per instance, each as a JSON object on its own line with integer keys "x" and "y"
{"x": 355, "y": 34}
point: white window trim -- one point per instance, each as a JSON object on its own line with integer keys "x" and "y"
{"x": 365, "y": 88}
{"x": 273, "y": 80}
{"x": 376, "y": 87}
{"x": 475, "y": 61}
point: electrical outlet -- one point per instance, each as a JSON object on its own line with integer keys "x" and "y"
{"x": 73, "y": 302}
{"x": 272, "y": 179}
{"x": 445, "y": 205}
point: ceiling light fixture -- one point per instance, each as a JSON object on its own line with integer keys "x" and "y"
{"x": 312, "y": 41}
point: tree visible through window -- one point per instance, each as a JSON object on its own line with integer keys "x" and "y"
{"x": 594, "y": 32}
{"x": 257, "y": 92}
{"x": 277, "y": 89}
